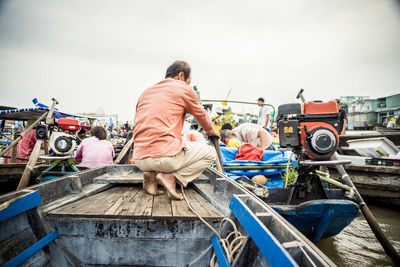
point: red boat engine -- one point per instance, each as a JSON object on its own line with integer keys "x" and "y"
{"x": 311, "y": 129}
{"x": 61, "y": 136}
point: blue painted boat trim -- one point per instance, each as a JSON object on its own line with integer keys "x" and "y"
{"x": 269, "y": 246}
{"x": 220, "y": 252}
{"x": 318, "y": 219}
{"x": 27, "y": 253}
{"x": 20, "y": 205}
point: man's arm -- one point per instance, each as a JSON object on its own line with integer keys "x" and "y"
{"x": 266, "y": 121}
{"x": 78, "y": 157}
{"x": 344, "y": 126}
{"x": 193, "y": 107}
{"x": 263, "y": 138}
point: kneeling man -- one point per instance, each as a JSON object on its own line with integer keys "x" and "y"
{"x": 248, "y": 133}
{"x": 159, "y": 150}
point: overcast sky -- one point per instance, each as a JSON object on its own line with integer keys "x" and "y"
{"x": 92, "y": 54}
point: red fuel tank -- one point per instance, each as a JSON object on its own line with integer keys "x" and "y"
{"x": 71, "y": 125}
{"x": 320, "y": 108}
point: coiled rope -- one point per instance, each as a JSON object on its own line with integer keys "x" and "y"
{"x": 231, "y": 243}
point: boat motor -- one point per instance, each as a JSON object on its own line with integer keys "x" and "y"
{"x": 62, "y": 138}
{"x": 311, "y": 128}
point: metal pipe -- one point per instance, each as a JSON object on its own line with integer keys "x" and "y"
{"x": 238, "y": 102}
{"x": 324, "y": 163}
{"x": 376, "y": 229}
{"x": 301, "y": 96}
{"x": 325, "y": 177}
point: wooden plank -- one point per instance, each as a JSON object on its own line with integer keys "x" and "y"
{"x": 180, "y": 210}
{"x": 202, "y": 206}
{"x": 162, "y": 207}
{"x": 87, "y": 191}
{"x": 82, "y": 205}
{"x": 120, "y": 204}
{"x": 140, "y": 206}
{"x": 102, "y": 206}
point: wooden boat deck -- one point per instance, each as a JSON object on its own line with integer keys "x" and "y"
{"x": 134, "y": 203}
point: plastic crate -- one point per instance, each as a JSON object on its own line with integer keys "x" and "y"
{"x": 383, "y": 162}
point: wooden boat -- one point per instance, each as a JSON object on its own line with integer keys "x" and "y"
{"x": 103, "y": 217}
{"x": 375, "y": 183}
{"x": 10, "y": 174}
{"x": 315, "y": 211}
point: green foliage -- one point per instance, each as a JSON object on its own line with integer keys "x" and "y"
{"x": 292, "y": 175}
{"x": 228, "y": 118}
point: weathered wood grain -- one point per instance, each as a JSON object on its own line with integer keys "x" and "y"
{"x": 162, "y": 207}
{"x": 121, "y": 203}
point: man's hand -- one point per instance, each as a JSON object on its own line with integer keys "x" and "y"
{"x": 214, "y": 133}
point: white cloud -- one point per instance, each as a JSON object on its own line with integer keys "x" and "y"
{"x": 93, "y": 54}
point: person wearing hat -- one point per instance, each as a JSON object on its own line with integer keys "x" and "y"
{"x": 263, "y": 115}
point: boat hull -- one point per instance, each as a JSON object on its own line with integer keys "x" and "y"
{"x": 318, "y": 219}
{"x": 96, "y": 217}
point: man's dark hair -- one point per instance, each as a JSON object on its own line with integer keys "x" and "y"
{"x": 261, "y": 99}
{"x": 99, "y": 132}
{"x": 225, "y": 134}
{"x": 226, "y": 126}
{"x": 177, "y": 67}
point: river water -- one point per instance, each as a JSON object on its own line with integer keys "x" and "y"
{"x": 356, "y": 244}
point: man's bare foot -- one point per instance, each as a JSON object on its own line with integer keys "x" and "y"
{"x": 150, "y": 183}
{"x": 167, "y": 180}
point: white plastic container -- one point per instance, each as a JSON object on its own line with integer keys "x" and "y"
{"x": 369, "y": 147}
{"x": 354, "y": 159}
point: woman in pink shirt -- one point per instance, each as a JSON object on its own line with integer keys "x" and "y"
{"x": 95, "y": 151}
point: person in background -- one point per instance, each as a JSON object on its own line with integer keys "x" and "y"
{"x": 263, "y": 115}
{"x": 342, "y": 118}
{"x": 25, "y": 146}
{"x": 159, "y": 149}
{"x": 127, "y": 126}
{"x": 247, "y": 133}
{"x": 95, "y": 151}
{"x": 391, "y": 123}
{"x": 230, "y": 139}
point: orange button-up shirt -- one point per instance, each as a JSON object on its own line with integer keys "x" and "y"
{"x": 159, "y": 118}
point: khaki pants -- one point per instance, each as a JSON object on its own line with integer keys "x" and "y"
{"x": 186, "y": 166}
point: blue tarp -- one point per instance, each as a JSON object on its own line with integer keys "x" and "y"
{"x": 270, "y": 159}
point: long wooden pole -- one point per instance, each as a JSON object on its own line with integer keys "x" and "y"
{"x": 215, "y": 144}
{"x": 50, "y": 118}
{"x": 376, "y": 229}
{"x": 14, "y": 149}
{"x": 124, "y": 150}
{"x": 3, "y": 152}
{"x": 29, "y": 167}
{"x": 33, "y": 157}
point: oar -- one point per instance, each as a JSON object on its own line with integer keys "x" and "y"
{"x": 376, "y": 229}
{"x": 215, "y": 144}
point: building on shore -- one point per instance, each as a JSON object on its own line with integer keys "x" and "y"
{"x": 364, "y": 112}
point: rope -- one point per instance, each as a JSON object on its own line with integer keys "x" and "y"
{"x": 232, "y": 247}
{"x": 287, "y": 170}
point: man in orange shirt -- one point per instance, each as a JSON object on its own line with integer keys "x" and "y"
{"x": 159, "y": 150}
